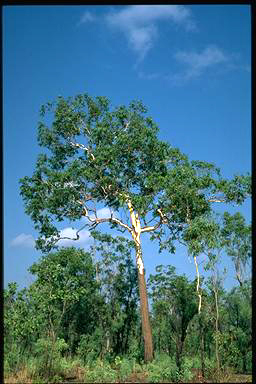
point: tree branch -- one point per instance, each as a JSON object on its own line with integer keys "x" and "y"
{"x": 215, "y": 199}
{"x": 81, "y": 146}
{"x": 163, "y": 220}
{"x": 97, "y": 220}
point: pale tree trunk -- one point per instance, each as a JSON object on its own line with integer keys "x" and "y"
{"x": 146, "y": 327}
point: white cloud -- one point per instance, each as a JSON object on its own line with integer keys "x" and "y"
{"x": 23, "y": 240}
{"x": 103, "y": 213}
{"x": 87, "y": 17}
{"x": 138, "y": 23}
{"x": 84, "y": 236}
{"x": 197, "y": 62}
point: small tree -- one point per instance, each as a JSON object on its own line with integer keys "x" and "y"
{"x": 237, "y": 240}
{"x": 63, "y": 278}
{"x": 173, "y": 298}
{"x": 97, "y": 156}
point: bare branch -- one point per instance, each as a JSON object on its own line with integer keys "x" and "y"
{"x": 151, "y": 228}
{"x": 163, "y": 220}
{"x": 95, "y": 221}
{"x": 81, "y": 146}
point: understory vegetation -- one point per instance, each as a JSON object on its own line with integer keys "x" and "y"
{"x": 79, "y": 321}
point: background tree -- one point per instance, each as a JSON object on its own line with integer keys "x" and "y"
{"x": 237, "y": 240}
{"x": 63, "y": 279}
{"x": 118, "y": 282}
{"x": 174, "y": 296}
{"x": 236, "y": 349}
{"x": 97, "y": 156}
{"x": 19, "y": 331}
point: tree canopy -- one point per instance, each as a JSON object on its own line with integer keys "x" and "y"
{"x": 95, "y": 154}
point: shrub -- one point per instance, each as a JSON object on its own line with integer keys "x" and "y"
{"x": 124, "y": 367}
{"x": 101, "y": 373}
{"x": 14, "y": 359}
{"x": 89, "y": 347}
{"x": 186, "y": 370}
{"x": 163, "y": 368}
{"x": 249, "y": 361}
{"x": 210, "y": 368}
{"x": 49, "y": 359}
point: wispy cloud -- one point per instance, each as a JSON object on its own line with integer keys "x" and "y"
{"x": 87, "y": 17}
{"x": 196, "y": 63}
{"x": 23, "y": 240}
{"x": 139, "y": 23}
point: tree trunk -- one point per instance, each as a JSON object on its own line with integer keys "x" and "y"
{"x": 146, "y": 328}
{"x": 217, "y": 328}
{"x": 179, "y": 348}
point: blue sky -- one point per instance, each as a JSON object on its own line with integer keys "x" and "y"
{"x": 190, "y": 65}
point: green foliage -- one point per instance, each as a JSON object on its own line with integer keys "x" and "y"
{"x": 174, "y": 306}
{"x": 163, "y": 368}
{"x": 13, "y": 358}
{"x": 118, "y": 282}
{"x": 185, "y": 373}
{"x": 95, "y": 322}
{"x": 101, "y": 373}
{"x": 94, "y": 155}
{"x": 237, "y": 240}
{"x": 210, "y": 368}
{"x": 124, "y": 367}
{"x": 202, "y": 235}
{"x": 103, "y": 155}
{"x": 49, "y": 355}
{"x": 90, "y": 346}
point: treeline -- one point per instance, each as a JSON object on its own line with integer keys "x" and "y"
{"x": 80, "y": 319}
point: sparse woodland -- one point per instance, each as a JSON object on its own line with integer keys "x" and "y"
{"x": 94, "y": 315}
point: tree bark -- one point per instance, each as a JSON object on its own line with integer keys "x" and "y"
{"x": 146, "y": 327}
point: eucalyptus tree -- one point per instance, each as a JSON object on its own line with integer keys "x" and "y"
{"x": 98, "y": 156}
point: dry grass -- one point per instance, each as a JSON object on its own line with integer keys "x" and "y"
{"x": 21, "y": 376}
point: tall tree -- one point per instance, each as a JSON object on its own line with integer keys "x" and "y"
{"x": 97, "y": 156}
